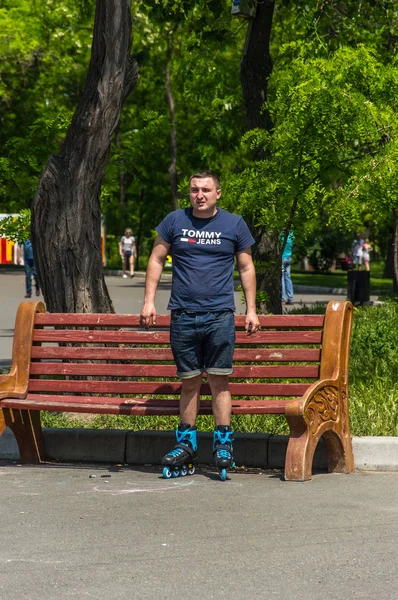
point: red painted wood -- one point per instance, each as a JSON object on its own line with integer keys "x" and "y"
{"x": 110, "y": 320}
{"x": 166, "y": 388}
{"x": 128, "y": 370}
{"x": 149, "y": 406}
{"x": 107, "y": 353}
{"x": 285, "y": 320}
{"x": 103, "y": 353}
{"x": 150, "y": 337}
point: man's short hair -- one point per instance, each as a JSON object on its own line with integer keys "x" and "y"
{"x": 204, "y": 175}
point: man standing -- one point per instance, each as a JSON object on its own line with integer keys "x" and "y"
{"x": 287, "y": 284}
{"x": 203, "y": 241}
{"x": 26, "y": 250}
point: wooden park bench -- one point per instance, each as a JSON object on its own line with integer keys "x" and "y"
{"x": 296, "y": 365}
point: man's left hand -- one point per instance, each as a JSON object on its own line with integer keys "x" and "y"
{"x": 252, "y": 323}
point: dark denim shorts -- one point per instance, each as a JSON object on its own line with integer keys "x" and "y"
{"x": 202, "y": 341}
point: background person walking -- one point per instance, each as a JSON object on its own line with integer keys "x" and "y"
{"x": 127, "y": 251}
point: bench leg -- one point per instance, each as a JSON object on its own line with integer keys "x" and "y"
{"x": 339, "y": 452}
{"x": 299, "y": 457}
{"x": 26, "y": 427}
{"x": 2, "y": 422}
{"x": 301, "y": 449}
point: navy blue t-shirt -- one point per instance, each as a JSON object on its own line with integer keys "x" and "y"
{"x": 203, "y": 252}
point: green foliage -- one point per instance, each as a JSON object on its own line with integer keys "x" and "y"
{"x": 329, "y": 114}
{"x": 16, "y": 228}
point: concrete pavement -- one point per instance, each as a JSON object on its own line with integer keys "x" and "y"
{"x": 116, "y": 533}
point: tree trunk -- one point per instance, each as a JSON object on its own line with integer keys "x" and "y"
{"x": 255, "y": 69}
{"x": 66, "y": 218}
{"x": 256, "y": 66}
{"x": 395, "y": 253}
{"x": 173, "y": 130}
{"x": 122, "y": 194}
{"x": 267, "y": 259}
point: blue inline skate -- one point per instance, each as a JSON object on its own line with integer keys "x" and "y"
{"x": 179, "y": 461}
{"x": 222, "y": 450}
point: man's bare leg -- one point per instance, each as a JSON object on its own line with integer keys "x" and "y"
{"x": 221, "y": 399}
{"x": 189, "y": 399}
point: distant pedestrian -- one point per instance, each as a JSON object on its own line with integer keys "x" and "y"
{"x": 127, "y": 251}
{"x": 287, "y": 284}
{"x": 26, "y": 250}
{"x": 366, "y": 249}
{"x": 357, "y": 251}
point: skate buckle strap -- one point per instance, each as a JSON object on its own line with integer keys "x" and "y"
{"x": 223, "y": 450}
{"x": 185, "y": 447}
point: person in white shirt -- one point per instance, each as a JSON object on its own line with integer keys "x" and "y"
{"x": 127, "y": 251}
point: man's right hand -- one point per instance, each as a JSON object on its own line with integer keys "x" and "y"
{"x": 148, "y": 316}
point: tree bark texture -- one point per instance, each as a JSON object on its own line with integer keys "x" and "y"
{"x": 255, "y": 69}
{"x": 173, "y": 130}
{"x": 267, "y": 259}
{"x": 395, "y": 252}
{"x": 256, "y": 66}
{"x": 66, "y": 209}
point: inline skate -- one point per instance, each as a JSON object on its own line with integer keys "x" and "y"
{"x": 179, "y": 461}
{"x": 222, "y": 450}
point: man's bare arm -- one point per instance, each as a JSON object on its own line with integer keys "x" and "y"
{"x": 247, "y": 275}
{"x": 153, "y": 273}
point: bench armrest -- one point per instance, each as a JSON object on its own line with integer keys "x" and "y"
{"x": 15, "y": 384}
{"x": 323, "y": 405}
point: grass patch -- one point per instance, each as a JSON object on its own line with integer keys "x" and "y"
{"x": 338, "y": 279}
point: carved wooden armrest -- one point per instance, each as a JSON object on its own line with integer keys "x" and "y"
{"x": 321, "y": 407}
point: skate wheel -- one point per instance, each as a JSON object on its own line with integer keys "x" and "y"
{"x": 223, "y": 474}
{"x": 191, "y": 470}
{"x": 175, "y": 473}
{"x": 184, "y": 471}
{"x": 166, "y": 473}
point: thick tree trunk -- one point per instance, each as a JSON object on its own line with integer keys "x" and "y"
{"x": 66, "y": 209}
{"x": 255, "y": 69}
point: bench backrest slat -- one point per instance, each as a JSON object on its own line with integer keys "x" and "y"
{"x": 164, "y": 387}
{"x": 163, "y": 337}
{"x": 164, "y": 354}
{"x": 107, "y": 320}
{"x": 128, "y": 370}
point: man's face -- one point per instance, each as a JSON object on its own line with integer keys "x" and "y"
{"x": 204, "y": 195}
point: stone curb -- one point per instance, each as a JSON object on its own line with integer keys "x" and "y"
{"x": 255, "y": 450}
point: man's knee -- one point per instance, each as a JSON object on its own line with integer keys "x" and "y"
{"x": 218, "y": 383}
{"x": 192, "y": 383}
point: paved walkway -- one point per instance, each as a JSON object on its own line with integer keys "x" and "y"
{"x": 119, "y": 533}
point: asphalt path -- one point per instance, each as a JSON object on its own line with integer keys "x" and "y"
{"x": 120, "y": 533}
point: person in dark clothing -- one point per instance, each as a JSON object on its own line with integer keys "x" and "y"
{"x": 203, "y": 241}
{"x": 25, "y": 249}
